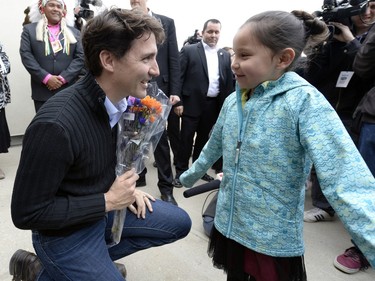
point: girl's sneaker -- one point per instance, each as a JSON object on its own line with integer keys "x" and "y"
{"x": 351, "y": 261}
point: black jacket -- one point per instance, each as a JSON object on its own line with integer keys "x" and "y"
{"x": 323, "y": 71}
{"x": 195, "y": 81}
{"x": 67, "y": 162}
{"x": 33, "y": 57}
{"x": 364, "y": 66}
{"x": 168, "y": 59}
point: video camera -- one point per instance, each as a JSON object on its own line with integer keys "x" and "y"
{"x": 85, "y": 12}
{"x": 339, "y": 11}
{"x": 196, "y": 38}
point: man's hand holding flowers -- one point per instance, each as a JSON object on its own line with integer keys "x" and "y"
{"x": 122, "y": 192}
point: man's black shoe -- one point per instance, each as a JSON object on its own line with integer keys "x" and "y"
{"x": 24, "y": 266}
{"x": 207, "y": 178}
{"x": 169, "y": 198}
{"x": 177, "y": 183}
{"x": 141, "y": 181}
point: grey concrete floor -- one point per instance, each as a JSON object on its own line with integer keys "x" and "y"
{"x": 185, "y": 260}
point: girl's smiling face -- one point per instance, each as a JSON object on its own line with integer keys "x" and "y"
{"x": 253, "y": 63}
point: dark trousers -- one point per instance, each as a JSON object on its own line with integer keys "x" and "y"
{"x": 198, "y": 126}
{"x": 173, "y": 130}
{"x": 5, "y": 134}
{"x": 367, "y": 145}
{"x": 162, "y": 155}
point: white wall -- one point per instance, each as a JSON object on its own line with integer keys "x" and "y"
{"x": 188, "y": 15}
{"x": 191, "y": 14}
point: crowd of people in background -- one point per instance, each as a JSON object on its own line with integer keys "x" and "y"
{"x": 330, "y": 70}
{"x": 290, "y": 93}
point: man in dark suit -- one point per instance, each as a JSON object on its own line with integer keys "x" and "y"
{"x": 169, "y": 82}
{"x": 206, "y": 80}
{"x": 50, "y": 50}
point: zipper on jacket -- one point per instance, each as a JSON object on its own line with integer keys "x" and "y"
{"x": 238, "y": 150}
{"x": 239, "y": 142}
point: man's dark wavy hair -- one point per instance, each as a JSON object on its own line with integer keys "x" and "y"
{"x": 115, "y": 30}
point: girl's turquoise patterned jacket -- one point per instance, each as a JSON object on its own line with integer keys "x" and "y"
{"x": 261, "y": 198}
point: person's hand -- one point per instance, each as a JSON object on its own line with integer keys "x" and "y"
{"x": 345, "y": 34}
{"x": 122, "y": 192}
{"x": 54, "y": 82}
{"x": 142, "y": 200}
{"x": 174, "y": 99}
{"x": 219, "y": 176}
{"x": 178, "y": 110}
{"x": 76, "y": 10}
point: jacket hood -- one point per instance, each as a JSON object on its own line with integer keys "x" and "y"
{"x": 278, "y": 86}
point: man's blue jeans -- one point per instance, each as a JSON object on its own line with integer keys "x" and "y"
{"x": 85, "y": 255}
{"x": 366, "y": 145}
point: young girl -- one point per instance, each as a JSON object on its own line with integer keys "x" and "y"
{"x": 266, "y": 131}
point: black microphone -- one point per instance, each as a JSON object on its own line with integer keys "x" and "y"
{"x": 199, "y": 189}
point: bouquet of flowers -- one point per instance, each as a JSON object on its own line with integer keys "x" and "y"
{"x": 139, "y": 130}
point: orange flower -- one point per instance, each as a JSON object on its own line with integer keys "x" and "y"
{"x": 152, "y": 104}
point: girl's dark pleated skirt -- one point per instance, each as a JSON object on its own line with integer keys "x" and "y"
{"x": 243, "y": 264}
{"x": 4, "y": 132}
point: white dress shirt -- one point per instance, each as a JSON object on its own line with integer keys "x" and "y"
{"x": 213, "y": 70}
{"x": 115, "y": 111}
